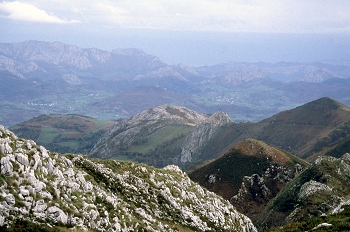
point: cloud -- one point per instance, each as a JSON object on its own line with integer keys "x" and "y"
{"x": 271, "y": 16}
{"x": 268, "y": 16}
{"x": 27, "y": 12}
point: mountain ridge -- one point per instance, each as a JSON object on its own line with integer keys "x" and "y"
{"x": 58, "y": 192}
{"x": 191, "y": 130}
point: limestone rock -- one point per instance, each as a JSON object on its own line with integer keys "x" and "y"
{"x": 40, "y": 206}
{"x": 10, "y": 199}
{"x": 22, "y": 159}
{"x": 106, "y": 195}
{"x": 56, "y": 215}
{"x": 6, "y": 166}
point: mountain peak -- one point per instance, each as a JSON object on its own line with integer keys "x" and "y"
{"x": 323, "y": 111}
{"x": 249, "y": 175}
{"x": 253, "y": 147}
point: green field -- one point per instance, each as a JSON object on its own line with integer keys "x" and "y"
{"x": 161, "y": 136}
{"x": 47, "y": 135}
{"x": 63, "y": 133}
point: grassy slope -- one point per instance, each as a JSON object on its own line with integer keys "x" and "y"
{"x": 339, "y": 222}
{"x": 163, "y": 135}
{"x": 158, "y": 149}
{"x": 63, "y": 133}
{"x": 306, "y": 129}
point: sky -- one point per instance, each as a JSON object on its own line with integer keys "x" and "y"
{"x": 192, "y": 32}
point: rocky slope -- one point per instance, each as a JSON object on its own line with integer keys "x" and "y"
{"x": 249, "y": 175}
{"x": 323, "y": 188}
{"x": 53, "y": 190}
{"x": 194, "y": 142}
{"x": 145, "y": 129}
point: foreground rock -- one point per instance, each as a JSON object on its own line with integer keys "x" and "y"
{"x": 77, "y": 192}
{"x": 322, "y": 189}
{"x": 249, "y": 175}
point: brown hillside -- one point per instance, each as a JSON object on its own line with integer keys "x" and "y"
{"x": 224, "y": 175}
{"x": 306, "y": 129}
{"x": 309, "y": 130}
{"x": 252, "y": 170}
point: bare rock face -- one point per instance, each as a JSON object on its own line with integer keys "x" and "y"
{"x": 201, "y": 134}
{"x": 6, "y": 166}
{"x": 50, "y": 189}
{"x": 55, "y": 215}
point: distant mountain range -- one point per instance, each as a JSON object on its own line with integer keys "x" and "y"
{"x": 42, "y": 78}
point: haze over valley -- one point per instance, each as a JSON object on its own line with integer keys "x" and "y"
{"x": 45, "y": 78}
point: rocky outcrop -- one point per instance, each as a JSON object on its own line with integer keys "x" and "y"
{"x": 74, "y": 191}
{"x": 202, "y": 134}
{"x": 320, "y": 190}
{"x": 71, "y": 79}
{"x": 258, "y": 189}
{"x": 125, "y": 132}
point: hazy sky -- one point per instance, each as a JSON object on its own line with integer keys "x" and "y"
{"x": 193, "y": 32}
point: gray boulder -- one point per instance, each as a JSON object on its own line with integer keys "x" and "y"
{"x": 22, "y": 159}
{"x": 40, "y": 206}
{"x": 55, "y": 214}
{"x": 6, "y": 166}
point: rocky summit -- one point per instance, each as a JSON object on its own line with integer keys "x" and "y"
{"x": 56, "y": 191}
{"x": 147, "y": 134}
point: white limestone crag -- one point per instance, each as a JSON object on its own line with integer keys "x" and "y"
{"x": 201, "y": 134}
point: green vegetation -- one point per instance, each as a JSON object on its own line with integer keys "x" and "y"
{"x": 63, "y": 133}
{"x": 47, "y": 135}
{"x": 160, "y": 137}
{"x": 339, "y": 222}
{"x": 157, "y": 149}
{"x": 29, "y": 226}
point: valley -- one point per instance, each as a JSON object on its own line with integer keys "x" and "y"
{"x": 55, "y": 78}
